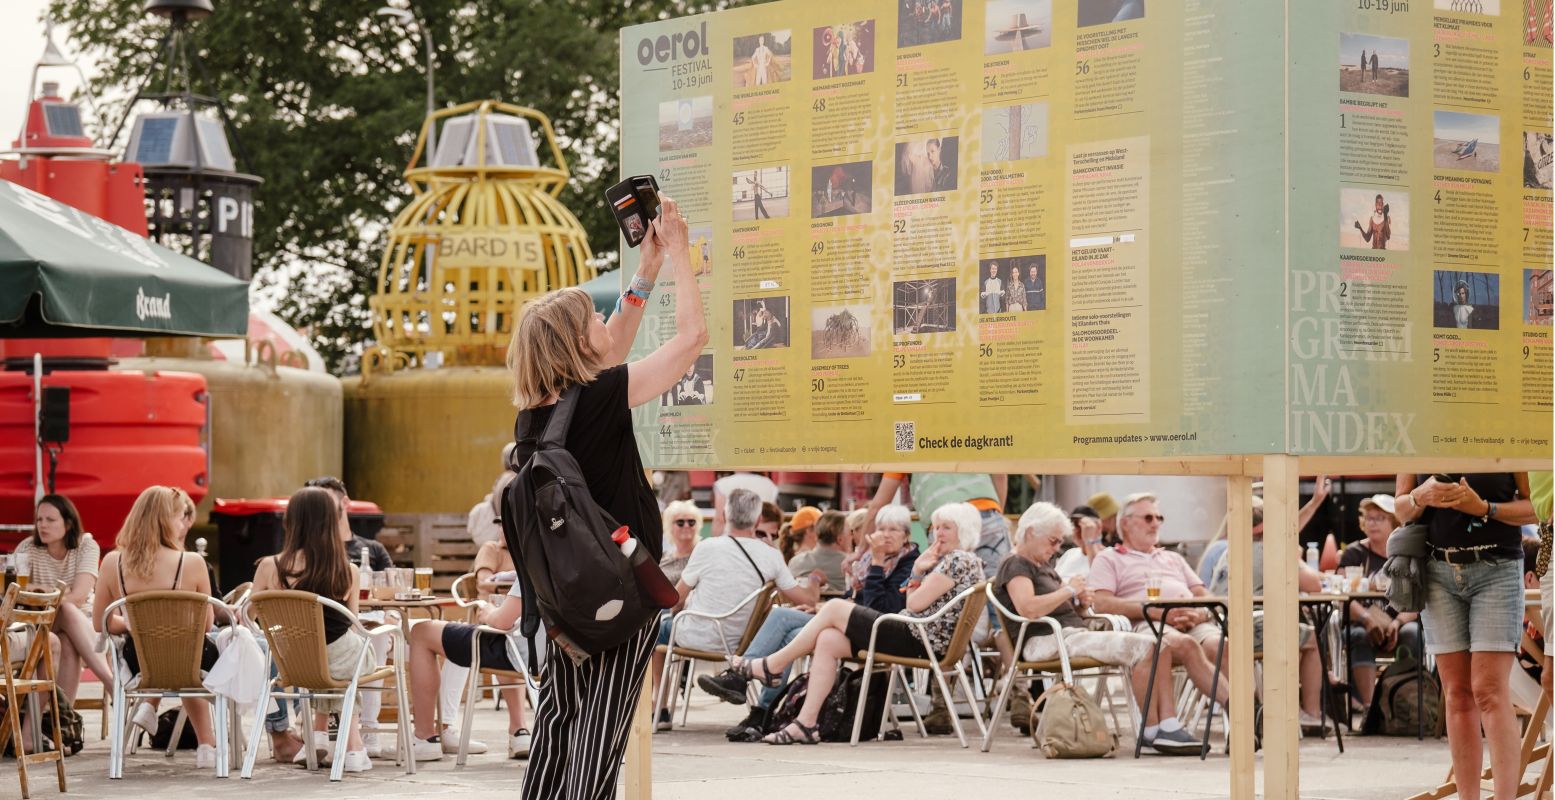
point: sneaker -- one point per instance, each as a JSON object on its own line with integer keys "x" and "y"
{"x": 664, "y": 722}
{"x": 321, "y": 749}
{"x": 1175, "y": 743}
{"x": 370, "y": 745}
{"x": 938, "y": 723}
{"x": 356, "y": 761}
{"x": 518, "y": 744}
{"x": 451, "y": 744}
{"x": 426, "y": 749}
{"x": 755, "y": 720}
{"x": 1020, "y": 710}
{"x": 725, "y": 686}
{"x": 145, "y": 718}
{"x": 1312, "y": 725}
{"x": 205, "y": 756}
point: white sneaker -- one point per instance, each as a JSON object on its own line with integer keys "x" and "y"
{"x": 321, "y": 749}
{"x": 205, "y": 756}
{"x": 426, "y": 749}
{"x": 518, "y": 744}
{"x": 451, "y": 744}
{"x": 356, "y": 761}
{"x": 371, "y": 745}
{"x": 145, "y": 718}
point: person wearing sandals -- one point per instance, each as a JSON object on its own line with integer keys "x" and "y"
{"x": 313, "y": 559}
{"x": 559, "y": 343}
{"x": 841, "y": 628}
{"x": 148, "y": 557}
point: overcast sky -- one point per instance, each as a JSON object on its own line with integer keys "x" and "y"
{"x": 21, "y": 43}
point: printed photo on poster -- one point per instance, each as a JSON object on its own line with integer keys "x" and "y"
{"x": 701, "y": 238}
{"x": 923, "y": 306}
{"x": 926, "y": 166}
{"x": 847, "y": 49}
{"x": 1012, "y": 285}
{"x": 760, "y": 193}
{"x": 763, "y": 58}
{"x": 838, "y": 190}
{"x": 761, "y": 323}
{"x": 1373, "y": 64}
{"x": 1469, "y": 300}
{"x": 1104, "y": 12}
{"x": 1538, "y": 302}
{"x": 686, "y": 123}
{"x": 1537, "y": 149}
{"x": 1489, "y": 7}
{"x": 1540, "y": 28}
{"x": 1374, "y": 220}
{"x": 1012, "y": 26}
{"x": 1012, "y": 133}
{"x": 695, "y": 388}
{"x": 920, "y": 22}
{"x": 840, "y": 331}
{"x": 1466, "y": 141}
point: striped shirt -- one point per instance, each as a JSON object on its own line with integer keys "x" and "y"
{"x": 44, "y": 569}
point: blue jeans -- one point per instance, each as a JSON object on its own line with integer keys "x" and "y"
{"x": 279, "y": 720}
{"x": 780, "y": 628}
{"x": 1476, "y": 607}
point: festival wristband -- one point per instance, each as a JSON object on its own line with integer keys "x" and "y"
{"x": 634, "y": 298}
{"x": 639, "y": 282}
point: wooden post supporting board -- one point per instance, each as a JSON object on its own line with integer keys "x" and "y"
{"x": 1239, "y": 647}
{"x": 639, "y": 747}
{"x": 1281, "y": 643}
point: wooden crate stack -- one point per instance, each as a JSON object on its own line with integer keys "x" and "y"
{"x": 439, "y": 541}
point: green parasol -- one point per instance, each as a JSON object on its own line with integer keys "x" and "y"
{"x": 604, "y": 289}
{"x": 66, "y": 273}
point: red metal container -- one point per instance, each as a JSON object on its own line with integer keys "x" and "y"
{"x": 128, "y": 430}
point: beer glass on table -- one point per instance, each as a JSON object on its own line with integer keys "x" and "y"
{"x": 1153, "y": 588}
{"x": 424, "y": 580}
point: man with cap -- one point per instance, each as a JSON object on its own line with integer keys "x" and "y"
{"x": 1107, "y": 509}
{"x": 1085, "y": 542}
{"x": 1374, "y": 627}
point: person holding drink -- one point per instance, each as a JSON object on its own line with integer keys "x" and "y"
{"x": 59, "y": 551}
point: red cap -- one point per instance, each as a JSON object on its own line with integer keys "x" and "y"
{"x": 620, "y": 535}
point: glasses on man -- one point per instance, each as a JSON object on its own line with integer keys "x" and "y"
{"x": 1161, "y": 518}
{"x": 686, "y": 523}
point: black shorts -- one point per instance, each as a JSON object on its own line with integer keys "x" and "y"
{"x": 494, "y": 647}
{"x": 896, "y": 638}
{"x": 208, "y": 656}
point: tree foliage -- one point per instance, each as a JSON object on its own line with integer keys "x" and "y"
{"x": 327, "y": 98}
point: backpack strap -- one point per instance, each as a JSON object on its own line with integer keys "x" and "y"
{"x": 555, "y": 434}
{"x": 740, "y": 547}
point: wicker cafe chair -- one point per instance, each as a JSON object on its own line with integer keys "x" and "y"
{"x": 1023, "y": 671}
{"x": 168, "y": 628}
{"x": 293, "y": 623}
{"x": 681, "y": 658}
{"x": 32, "y": 612}
{"x": 971, "y": 603}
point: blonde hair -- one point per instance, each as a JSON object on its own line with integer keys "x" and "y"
{"x": 550, "y": 349}
{"x": 678, "y": 509}
{"x": 152, "y": 524}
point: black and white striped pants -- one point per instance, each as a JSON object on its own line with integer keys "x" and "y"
{"x": 582, "y": 722}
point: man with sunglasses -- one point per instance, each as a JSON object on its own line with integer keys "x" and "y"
{"x": 1118, "y": 581}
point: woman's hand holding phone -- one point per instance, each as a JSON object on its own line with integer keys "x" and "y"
{"x": 669, "y": 228}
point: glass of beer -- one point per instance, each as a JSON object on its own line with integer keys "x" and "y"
{"x": 1153, "y": 588}
{"x": 23, "y": 570}
{"x": 424, "y": 580}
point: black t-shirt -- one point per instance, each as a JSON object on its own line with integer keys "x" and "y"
{"x": 1045, "y": 580}
{"x": 1357, "y": 554}
{"x": 1450, "y": 528}
{"x": 601, "y": 439}
{"x": 378, "y": 558}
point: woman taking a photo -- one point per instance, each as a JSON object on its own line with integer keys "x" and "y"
{"x": 1473, "y": 609}
{"x": 313, "y": 559}
{"x": 59, "y": 550}
{"x": 561, "y": 342}
{"x": 149, "y": 556}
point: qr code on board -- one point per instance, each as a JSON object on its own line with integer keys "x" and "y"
{"x": 906, "y": 437}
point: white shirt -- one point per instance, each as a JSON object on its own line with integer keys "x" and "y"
{"x": 1073, "y": 562}
{"x": 720, "y": 578}
{"x": 482, "y": 524}
{"x": 763, "y": 487}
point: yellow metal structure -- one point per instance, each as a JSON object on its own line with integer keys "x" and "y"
{"x": 475, "y": 242}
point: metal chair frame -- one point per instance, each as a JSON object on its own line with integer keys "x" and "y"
{"x": 677, "y": 657}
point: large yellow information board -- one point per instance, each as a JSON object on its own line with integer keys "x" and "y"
{"x": 948, "y": 231}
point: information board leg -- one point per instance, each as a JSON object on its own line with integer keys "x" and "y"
{"x": 1239, "y": 535}
{"x": 639, "y": 748}
{"x": 1281, "y": 643}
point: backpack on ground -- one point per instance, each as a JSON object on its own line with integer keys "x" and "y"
{"x": 1067, "y": 723}
{"x": 1403, "y": 690}
{"x": 72, "y": 730}
{"x": 573, "y": 577}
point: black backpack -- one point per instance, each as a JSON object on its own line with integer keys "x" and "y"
{"x": 1403, "y": 687}
{"x": 572, "y": 575}
{"x": 835, "y": 722}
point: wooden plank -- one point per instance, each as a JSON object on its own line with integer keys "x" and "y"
{"x": 1281, "y": 643}
{"x": 1173, "y": 465}
{"x": 639, "y": 748}
{"x": 452, "y": 566}
{"x": 1375, "y": 465}
{"x": 464, "y": 549}
{"x": 1239, "y": 645}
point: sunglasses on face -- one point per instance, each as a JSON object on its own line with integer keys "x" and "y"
{"x": 761, "y": 534}
{"x": 686, "y": 523}
{"x": 1161, "y": 518}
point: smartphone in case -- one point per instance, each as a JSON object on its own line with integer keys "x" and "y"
{"x": 635, "y": 203}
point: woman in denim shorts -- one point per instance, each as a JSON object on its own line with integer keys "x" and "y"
{"x": 1473, "y": 608}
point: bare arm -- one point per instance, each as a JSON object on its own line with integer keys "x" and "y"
{"x": 1406, "y": 507}
{"x": 1001, "y": 488}
{"x": 1320, "y": 491}
{"x": 503, "y": 618}
{"x": 624, "y": 322}
{"x": 654, "y": 374}
{"x": 932, "y": 588}
{"x": 80, "y": 589}
{"x": 106, "y": 594}
{"x": 882, "y": 498}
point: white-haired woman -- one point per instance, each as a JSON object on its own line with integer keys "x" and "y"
{"x": 561, "y": 344}
{"x": 682, "y": 529}
{"x": 1027, "y": 584}
{"x": 841, "y": 628}
{"x": 886, "y": 561}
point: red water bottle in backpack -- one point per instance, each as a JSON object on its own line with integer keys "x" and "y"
{"x": 655, "y": 588}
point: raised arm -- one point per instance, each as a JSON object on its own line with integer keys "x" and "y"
{"x": 654, "y": 374}
{"x": 624, "y": 322}
{"x": 883, "y": 495}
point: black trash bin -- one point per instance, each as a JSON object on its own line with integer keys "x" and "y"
{"x": 248, "y": 530}
{"x": 366, "y": 519}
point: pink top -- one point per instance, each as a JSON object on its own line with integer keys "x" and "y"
{"x": 1123, "y": 572}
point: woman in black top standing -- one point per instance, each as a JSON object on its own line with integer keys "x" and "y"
{"x": 560, "y": 341}
{"x": 1473, "y": 609}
